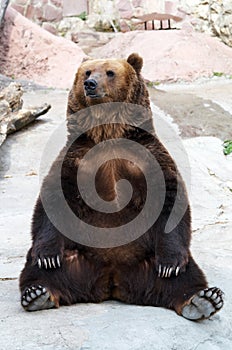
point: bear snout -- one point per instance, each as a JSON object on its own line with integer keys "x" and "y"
{"x": 90, "y": 86}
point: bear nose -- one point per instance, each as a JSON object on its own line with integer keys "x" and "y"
{"x": 90, "y": 84}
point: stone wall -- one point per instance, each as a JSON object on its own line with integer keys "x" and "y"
{"x": 108, "y": 13}
{"x": 42, "y": 12}
{"x": 53, "y": 10}
{"x": 211, "y": 16}
{"x": 221, "y": 19}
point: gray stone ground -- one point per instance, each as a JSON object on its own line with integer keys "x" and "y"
{"x": 202, "y": 109}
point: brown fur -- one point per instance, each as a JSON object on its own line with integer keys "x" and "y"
{"x": 130, "y": 272}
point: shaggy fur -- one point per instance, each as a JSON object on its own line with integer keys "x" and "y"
{"x": 132, "y": 273}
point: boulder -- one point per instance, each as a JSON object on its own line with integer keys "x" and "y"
{"x": 172, "y": 55}
{"x": 27, "y": 51}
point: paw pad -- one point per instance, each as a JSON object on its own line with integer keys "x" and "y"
{"x": 204, "y": 304}
{"x": 36, "y": 298}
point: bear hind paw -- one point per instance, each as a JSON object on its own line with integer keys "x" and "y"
{"x": 37, "y": 298}
{"x": 203, "y": 304}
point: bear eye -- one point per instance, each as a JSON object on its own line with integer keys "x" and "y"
{"x": 110, "y": 73}
{"x": 87, "y": 73}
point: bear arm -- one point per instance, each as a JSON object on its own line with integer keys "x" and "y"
{"x": 48, "y": 243}
{"x": 172, "y": 248}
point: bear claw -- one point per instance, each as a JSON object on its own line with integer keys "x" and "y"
{"x": 166, "y": 271}
{"x": 36, "y": 298}
{"x": 49, "y": 262}
{"x": 203, "y": 304}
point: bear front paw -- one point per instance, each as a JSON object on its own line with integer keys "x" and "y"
{"x": 167, "y": 271}
{"x": 171, "y": 267}
{"x": 49, "y": 262}
{"x": 47, "y": 255}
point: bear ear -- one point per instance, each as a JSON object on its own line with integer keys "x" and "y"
{"x": 136, "y": 62}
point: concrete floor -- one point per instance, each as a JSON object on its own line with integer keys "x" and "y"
{"x": 112, "y": 325}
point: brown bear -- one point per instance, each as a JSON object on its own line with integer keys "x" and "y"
{"x": 109, "y": 103}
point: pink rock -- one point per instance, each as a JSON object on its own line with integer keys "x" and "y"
{"x": 74, "y": 7}
{"x": 49, "y": 27}
{"x": 138, "y": 11}
{"x": 19, "y": 2}
{"x": 30, "y": 12}
{"x": 126, "y": 14}
{"x": 35, "y": 2}
{"x": 52, "y": 13}
{"x": 28, "y": 51}
{"x": 57, "y": 3}
{"x": 138, "y": 3}
{"x": 170, "y": 7}
{"x": 123, "y": 5}
{"x": 124, "y": 26}
{"x": 18, "y": 8}
{"x": 34, "y": 13}
{"x": 38, "y": 12}
{"x": 171, "y": 55}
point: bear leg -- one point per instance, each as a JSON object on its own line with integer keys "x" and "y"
{"x": 198, "y": 301}
{"x": 76, "y": 280}
{"x": 187, "y": 293}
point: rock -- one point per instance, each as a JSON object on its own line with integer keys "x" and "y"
{"x": 12, "y": 94}
{"x": 214, "y": 18}
{"x": 103, "y": 15}
{"x": 215, "y": 7}
{"x": 137, "y": 3}
{"x": 172, "y": 61}
{"x": 3, "y": 7}
{"x": 227, "y": 6}
{"x": 52, "y": 13}
{"x": 49, "y": 27}
{"x": 124, "y": 27}
{"x": 203, "y": 12}
{"x": 138, "y": 11}
{"x": 20, "y": 9}
{"x": 70, "y": 25}
{"x": 23, "y": 117}
{"x": 227, "y": 22}
{"x": 34, "y": 13}
{"x": 221, "y": 24}
{"x": 57, "y": 3}
{"x": 29, "y": 52}
{"x": 4, "y": 109}
{"x": 12, "y": 116}
{"x": 125, "y": 8}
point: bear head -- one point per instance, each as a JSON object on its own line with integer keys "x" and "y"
{"x": 108, "y": 80}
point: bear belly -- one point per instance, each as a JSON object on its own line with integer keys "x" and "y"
{"x": 126, "y": 198}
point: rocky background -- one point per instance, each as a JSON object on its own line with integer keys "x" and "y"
{"x": 212, "y": 16}
{"x": 27, "y": 51}
{"x": 61, "y": 16}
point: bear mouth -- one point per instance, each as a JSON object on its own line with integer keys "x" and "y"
{"x": 93, "y": 95}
